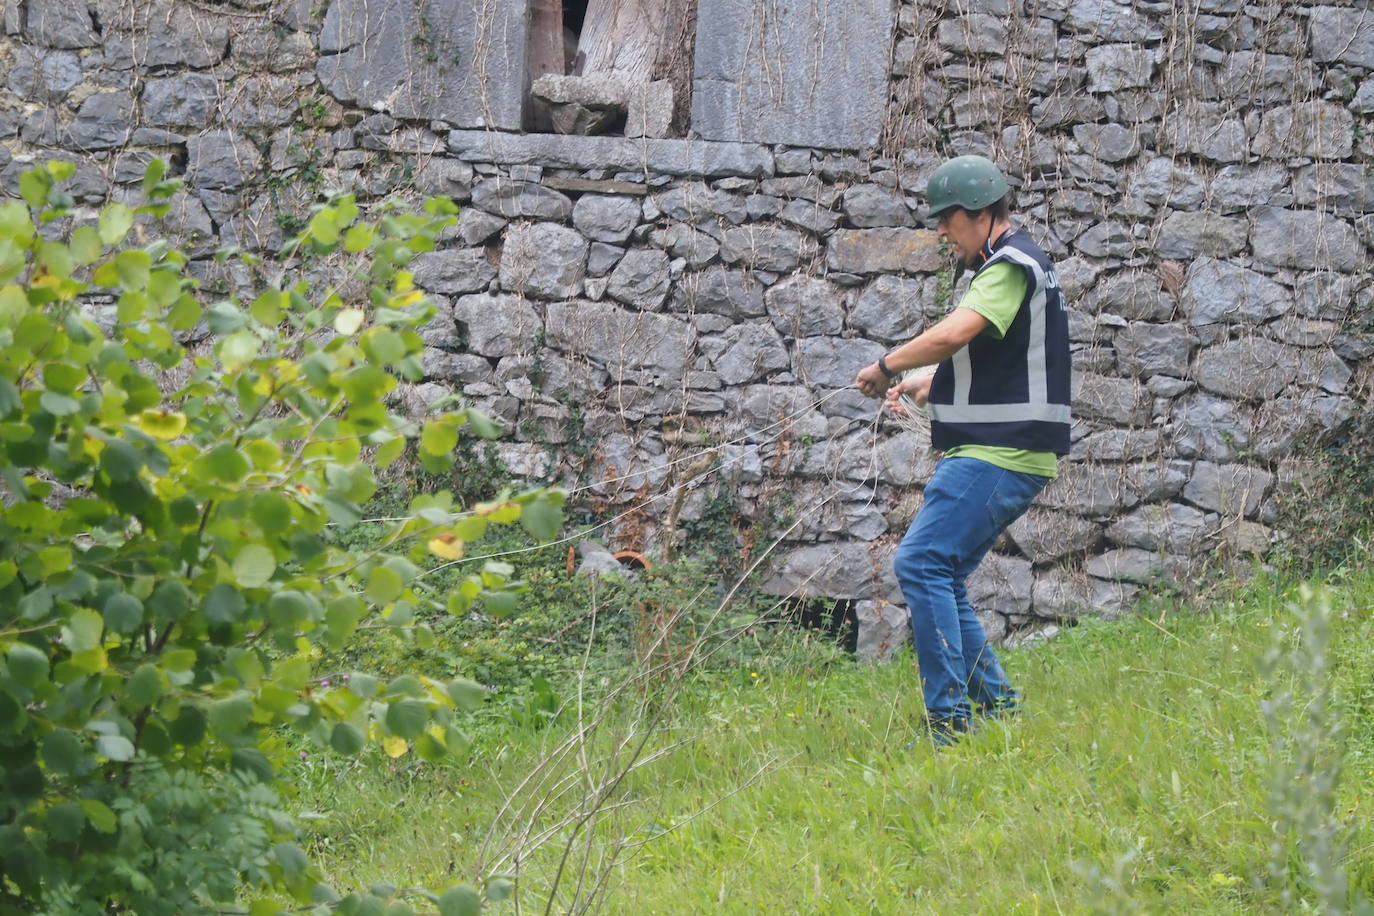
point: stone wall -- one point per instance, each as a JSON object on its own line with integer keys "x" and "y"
{"x": 673, "y": 324}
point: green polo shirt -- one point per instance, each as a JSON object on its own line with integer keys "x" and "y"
{"x": 996, "y": 294}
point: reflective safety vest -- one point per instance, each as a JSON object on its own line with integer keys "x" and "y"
{"x": 1012, "y": 392}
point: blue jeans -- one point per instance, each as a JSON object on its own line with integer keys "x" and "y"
{"x": 968, "y": 503}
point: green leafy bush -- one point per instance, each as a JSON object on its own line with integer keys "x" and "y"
{"x": 168, "y": 470}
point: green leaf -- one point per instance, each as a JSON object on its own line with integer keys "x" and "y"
{"x": 63, "y": 751}
{"x": 123, "y": 613}
{"x": 238, "y": 350}
{"x": 188, "y": 728}
{"x": 407, "y": 718}
{"x": 500, "y": 604}
{"x": 169, "y": 601}
{"x": 133, "y": 267}
{"x": 541, "y": 519}
{"x": 225, "y": 463}
{"x": 59, "y": 405}
{"x": 499, "y": 889}
{"x": 116, "y": 747}
{"x": 267, "y": 308}
{"x": 115, "y": 222}
{"x": 439, "y": 437}
{"x": 27, "y": 665}
{"x": 467, "y": 694}
{"x": 483, "y": 425}
{"x": 383, "y": 585}
{"x": 254, "y": 566}
{"x": 99, "y": 814}
{"x": 291, "y": 858}
{"x": 152, "y": 176}
{"x": 460, "y": 900}
{"x": 34, "y": 187}
{"x": 84, "y": 629}
{"x": 324, "y": 226}
{"x": 224, "y": 604}
{"x": 230, "y": 716}
{"x": 144, "y": 687}
{"x": 120, "y": 461}
{"x": 359, "y": 237}
{"x": 346, "y": 738}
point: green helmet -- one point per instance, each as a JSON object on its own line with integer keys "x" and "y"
{"x": 971, "y": 182}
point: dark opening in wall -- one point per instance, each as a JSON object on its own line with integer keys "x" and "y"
{"x": 834, "y": 618}
{"x": 574, "y": 14}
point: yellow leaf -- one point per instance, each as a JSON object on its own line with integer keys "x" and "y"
{"x": 348, "y": 321}
{"x": 446, "y": 546}
{"x": 395, "y": 747}
{"x": 501, "y": 513}
{"x": 161, "y": 424}
{"x": 401, "y": 300}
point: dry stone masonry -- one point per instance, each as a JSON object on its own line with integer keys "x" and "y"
{"x": 675, "y": 321}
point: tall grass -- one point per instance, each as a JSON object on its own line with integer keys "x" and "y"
{"x": 1169, "y": 763}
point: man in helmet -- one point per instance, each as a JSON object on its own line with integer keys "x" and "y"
{"x": 999, "y": 408}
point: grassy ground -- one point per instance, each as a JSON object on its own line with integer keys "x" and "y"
{"x": 1137, "y": 780}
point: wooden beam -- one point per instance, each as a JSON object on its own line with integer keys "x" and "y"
{"x": 547, "y": 54}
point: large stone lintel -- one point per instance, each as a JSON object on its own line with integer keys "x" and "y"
{"x": 696, "y": 158}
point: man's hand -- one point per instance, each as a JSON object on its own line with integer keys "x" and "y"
{"x": 871, "y": 381}
{"x": 918, "y": 388}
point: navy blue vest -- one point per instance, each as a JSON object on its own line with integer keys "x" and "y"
{"x": 1012, "y": 392}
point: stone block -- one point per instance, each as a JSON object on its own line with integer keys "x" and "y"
{"x": 696, "y": 249}
{"x": 622, "y": 154}
{"x": 895, "y": 250}
{"x": 64, "y": 24}
{"x": 1234, "y": 490}
{"x": 220, "y": 160}
{"x": 868, "y": 206}
{"x": 735, "y": 294}
{"x": 1145, "y": 350}
{"x": 454, "y": 270}
{"x": 605, "y": 217}
{"x": 497, "y": 326}
{"x": 890, "y": 308}
{"x": 1305, "y": 239}
{"x": 187, "y": 100}
{"x": 528, "y": 199}
{"x": 805, "y": 307}
{"x": 832, "y": 362}
{"x": 883, "y": 629}
{"x": 544, "y": 260}
{"x": 641, "y": 279}
{"x": 102, "y": 122}
{"x": 1205, "y": 426}
{"x": 1190, "y": 234}
{"x": 1315, "y": 130}
{"x": 1343, "y": 35}
{"x": 622, "y": 341}
{"x": 746, "y": 353}
{"x": 1112, "y": 68}
{"x": 1207, "y": 129}
{"x": 843, "y": 569}
{"x": 1046, "y": 536}
{"x": 815, "y": 75}
{"x": 1250, "y": 367}
{"x": 162, "y": 33}
{"x": 1116, "y": 400}
{"x": 762, "y": 247}
{"x": 448, "y": 60}
{"x": 1111, "y": 20}
{"x": 650, "y": 110}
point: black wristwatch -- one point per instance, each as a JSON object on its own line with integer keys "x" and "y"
{"x": 883, "y": 367}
